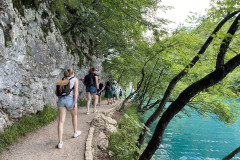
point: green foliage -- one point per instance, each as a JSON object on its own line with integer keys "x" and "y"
{"x": 82, "y": 102}
{"x": 220, "y": 8}
{"x": 58, "y": 24}
{"x": 46, "y": 28}
{"x": 29, "y": 53}
{"x": 25, "y": 125}
{"x": 7, "y": 36}
{"x": 123, "y": 142}
{"x": 102, "y": 25}
{"x": 18, "y": 4}
{"x": 80, "y": 55}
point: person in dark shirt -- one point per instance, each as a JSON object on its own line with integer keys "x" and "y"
{"x": 120, "y": 94}
{"x": 100, "y": 90}
{"x": 91, "y": 82}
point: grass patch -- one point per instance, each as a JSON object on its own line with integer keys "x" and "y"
{"x": 29, "y": 53}
{"x": 81, "y": 57}
{"x": 82, "y": 102}
{"x": 122, "y": 144}
{"x": 25, "y": 125}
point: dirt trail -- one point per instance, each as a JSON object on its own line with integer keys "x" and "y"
{"x": 41, "y": 144}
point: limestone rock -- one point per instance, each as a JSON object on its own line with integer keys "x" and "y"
{"x": 104, "y": 122}
{"x": 31, "y": 61}
{"x": 102, "y": 141}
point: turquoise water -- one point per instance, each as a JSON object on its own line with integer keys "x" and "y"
{"x": 197, "y": 138}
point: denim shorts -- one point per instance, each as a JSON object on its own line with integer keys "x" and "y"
{"x": 66, "y": 101}
{"x": 99, "y": 94}
{"x": 91, "y": 89}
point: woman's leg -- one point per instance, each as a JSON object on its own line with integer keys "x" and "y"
{"x": 88, "y": 100}
{"x": 61, "y": 114}
{"x": 100, "y": 99}
{"x": 74, "y": 119}
{"x": 95, "y": 96}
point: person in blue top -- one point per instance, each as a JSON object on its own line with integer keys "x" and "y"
{"x": 114, "y": 91}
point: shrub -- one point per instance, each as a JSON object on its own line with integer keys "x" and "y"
{"x": 82, "y": 102}
{"x": 122, "y": 143}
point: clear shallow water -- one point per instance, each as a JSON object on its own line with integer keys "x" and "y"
{"x": 197, "y": 138}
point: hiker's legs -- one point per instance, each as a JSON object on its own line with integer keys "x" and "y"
{"x": 100, "y": 98}
{"x": 61, "y": 114}
{"x": 88, "y": 100}
{"x": 74, "y": 119}
{"x": 114, "y": 99}
{"x": 95, "y": 97}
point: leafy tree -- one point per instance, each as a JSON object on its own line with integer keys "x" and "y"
{"x": 221, "y": 70}
{"x": 103, "y": 25}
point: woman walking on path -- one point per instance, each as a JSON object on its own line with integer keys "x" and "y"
{"x": 125, "y": 94}
{"x": 68, "y": 102}
{"x": 100, "y": 89}
{"x": 108, "y": 92}
{"x": 91, "y": 82}
{"x": 114, "y": 91}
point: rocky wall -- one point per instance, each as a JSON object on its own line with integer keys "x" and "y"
{"x": 32, "y": 59}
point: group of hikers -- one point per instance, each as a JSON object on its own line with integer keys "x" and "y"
{"x": 67, "y": 92}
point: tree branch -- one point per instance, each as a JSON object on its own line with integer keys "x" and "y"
{"x": 232, "y": 154}
{"x": 225, "y": 43}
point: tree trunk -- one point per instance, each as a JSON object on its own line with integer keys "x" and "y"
{"x": 232, "y": 154}
{"x": 130, "y": 96}
{"x": 146, "y": 86}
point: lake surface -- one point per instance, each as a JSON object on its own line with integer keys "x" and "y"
{"x": 197, "y": 138}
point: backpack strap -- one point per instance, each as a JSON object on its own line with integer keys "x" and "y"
{"x": 69, "y": 81}
{"x": 73, "y": 85}
{"x": 71, "y": 78}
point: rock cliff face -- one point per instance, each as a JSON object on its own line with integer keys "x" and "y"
{"x": 32, "y": 59}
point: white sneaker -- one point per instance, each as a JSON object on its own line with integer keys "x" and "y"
{"x": 77, "y": 134}
{"x": 60, "y": 145}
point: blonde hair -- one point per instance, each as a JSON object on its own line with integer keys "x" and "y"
{"x": 91, "y": 70}
{"x": 68, "y": 72}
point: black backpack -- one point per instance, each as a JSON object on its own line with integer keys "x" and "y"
{"x": 63, "y": 87}
{"x": 89, "y": 80}
{"x": 108, "y": 88}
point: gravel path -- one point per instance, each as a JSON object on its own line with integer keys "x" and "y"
{"x": 41, "y": 144}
